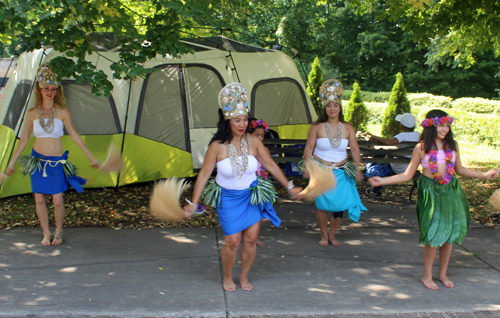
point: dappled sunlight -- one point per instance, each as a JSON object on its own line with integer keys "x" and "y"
{"x": 377, "y": 308}
{"x": 180, "y": 239}
{"x": 318, "y": 290}
{"x": 284, "y": 243}
{"x": 362, "y": 271}
{"x": 401, "y": 296}
{"x": 490, "y": 307}
{"x": 19, "y": 289}
{"x": 92, "y": 285}
{"x": 48, "y": 284}
{"x": 388, "y": 269}
{"x": 405, "y": 231}
{"x": 68, "y": 270}
{"x": 6, "y": 298}
{"x": 355, "y": 242}
{"x": 33, "y": 249}
{"x": 36, "y": 301}
{"x": 3, "y": 265}
{"x": 391, "y": 240}
{"x": 376, "y": 288}
{"x": 7, "y": 276}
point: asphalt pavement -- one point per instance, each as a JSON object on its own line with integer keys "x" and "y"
{"x": 376, "y": 272}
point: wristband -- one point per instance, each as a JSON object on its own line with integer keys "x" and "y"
{"x": 290, "y": 185}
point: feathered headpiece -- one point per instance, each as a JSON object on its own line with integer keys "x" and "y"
{"x": 331, "y": 92}
{"x": 233, "y": 100}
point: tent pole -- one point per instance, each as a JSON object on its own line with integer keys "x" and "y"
{"x": 124, "y": 128}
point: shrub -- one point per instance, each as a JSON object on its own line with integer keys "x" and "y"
{"x": 372, "y": 97}
{"x": 356, "y": 113}
{"x": 314, "y": 82}
{"x": 477, "y": 105}
{"x": 398, "y": 104}
{"x": 375, "y": 112}
{"x": 429, "y": 100}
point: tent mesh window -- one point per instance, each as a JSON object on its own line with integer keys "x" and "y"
{"x": 161, "y": 111}
{"x": 17, "y": 104}
{"x": 280, "y": 102}
{"x": 91, "y": 115}
{"x": 202, "y": 88}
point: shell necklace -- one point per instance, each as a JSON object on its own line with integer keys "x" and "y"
{"x": 335, "y": 142}
{"x": 49, "y": 126}
{"x": 238, "y": 166}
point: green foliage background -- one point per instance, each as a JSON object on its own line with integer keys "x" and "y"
{"x": 314, "y": 82}
{"x": 356, "y": 113}
{"x": 398, "y": 104}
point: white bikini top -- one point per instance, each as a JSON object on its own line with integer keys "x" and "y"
{"x": 226, "y": 178}
{"x": 326, "y": 152}
{"x": 39, "y": 132}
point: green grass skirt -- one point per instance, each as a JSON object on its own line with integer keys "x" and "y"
{"x": 443, "y": 212}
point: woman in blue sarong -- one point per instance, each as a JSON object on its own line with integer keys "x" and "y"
{"x": 51, "y": 172}
{"x": 327, "y": 143}
{"x": 235, "y": 153}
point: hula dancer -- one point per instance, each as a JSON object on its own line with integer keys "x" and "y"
{"x": 241, "y": 199}
{"x": 47, "y": 165}
{"x": 442, "y": 209}
{"x": 328, "y": 138}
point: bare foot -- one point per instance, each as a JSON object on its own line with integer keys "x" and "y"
{"x": 260, "y": 243}
{"x": 229, "y": 285}
{"x": 446, "y": 281}
{"x": 245, "y": 284}
{"x": 323, "y": 243}
{"x": 335, "y": 242}
{"x": 429, "y": 283}
{"x": 57, "y": 238}
{"x": 46, "y": 240}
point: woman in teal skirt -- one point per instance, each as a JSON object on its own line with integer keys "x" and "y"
{"x": 442, "y": 209}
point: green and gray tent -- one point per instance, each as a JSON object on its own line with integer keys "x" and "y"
{"x": 161, "y": 123}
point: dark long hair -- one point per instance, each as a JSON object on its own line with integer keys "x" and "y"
{"x": 223, "y": 134}
{"x": 324, "y": 117}
{"x": 428, "y": 136}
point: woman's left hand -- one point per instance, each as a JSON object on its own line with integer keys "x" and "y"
{"x": 95, "y": 164}
{"x": 491, "y": 174}
{"x": 294, "y": 193}
{"x": 359, "y": 175}
{"x": 189, "y": 211}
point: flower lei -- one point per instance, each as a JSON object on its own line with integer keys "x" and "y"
{"x": 450, "y": 166}
{"x": 429, "y": 122}
{"x": 259, "y": 123}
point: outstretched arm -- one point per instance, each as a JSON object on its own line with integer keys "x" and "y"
{"x": 463, "y": 171}
{"x": 68, "y": 123}
{"x": 28, "y": 129}
{"x": 403, "y": 177}
{"x": 205, "y": 173}
{"x": 355, "y": 152}
{"x": 311, "y": 143}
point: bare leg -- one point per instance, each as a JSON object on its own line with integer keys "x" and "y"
{"x": 59, "y": 212}
{"x": 248, "y": 252}
{"x": 228, "y": 255}
{"x": 43, "y": 217}
{"x": 429, "y": 257}
{"x": 334, "y": 225}
{"x": 444, "y": 260}
{"x": 322, "y": 220}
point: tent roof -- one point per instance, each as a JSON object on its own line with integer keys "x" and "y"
{"x": 107, "y": 41}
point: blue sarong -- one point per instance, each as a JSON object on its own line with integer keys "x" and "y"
{"x": 237, "y": 214}
{"x": 343, "y": 197}
{"x": 55, "y": 181}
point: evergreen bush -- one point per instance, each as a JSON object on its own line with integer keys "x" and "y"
{"x": 429, "y": 100}
{"x": 314, "y": 82}
{"x": 398, "y": 104}
{"x": 356, "y": 113}
{"x": 375, "y": 112}
{"x": 477, "y": 105}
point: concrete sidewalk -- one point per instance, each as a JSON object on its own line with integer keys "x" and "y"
{"x": 101, "y": 272}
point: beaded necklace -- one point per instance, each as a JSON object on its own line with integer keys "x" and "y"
{"x": 335, "y": 142}
{"x": 239, "y": 168}
{"x": 49, "y": 126}
{"x": 433, "y": 166}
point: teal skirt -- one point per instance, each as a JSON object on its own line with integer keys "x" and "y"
{"x": 443, "y": 212}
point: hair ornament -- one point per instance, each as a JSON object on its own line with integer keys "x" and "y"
{"x": 429, "y": 122}
{"x": 45, "y": 77}
{"x": 233, "y": 100}
{"x": 331, "y": 92}
{"x": 259, "y": 123}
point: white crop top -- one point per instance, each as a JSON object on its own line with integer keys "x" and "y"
{"x": 39, "y": 132}
{"x": 226, "y": 178}
{"x": 326, "y": 152}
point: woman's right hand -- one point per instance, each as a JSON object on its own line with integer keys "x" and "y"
{"x": 294, "y": 193}
{"x": 305, "y": 174}
{"x": 189, "y": 211}
{"x": 11, "y": 168}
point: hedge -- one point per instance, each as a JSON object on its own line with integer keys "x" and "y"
{"x": 371, "y": 97}
{"x": 477, "y": 105}
{"x": 429, "y": 100}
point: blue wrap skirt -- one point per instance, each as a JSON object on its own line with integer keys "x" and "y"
{"x": 52, "y": 179}
{"x": 237, "y": 214}
{"x": 343, "y": 197}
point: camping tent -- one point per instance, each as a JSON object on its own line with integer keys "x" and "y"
{"x": 162, "y": 123}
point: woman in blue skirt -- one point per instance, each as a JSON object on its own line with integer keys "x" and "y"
{"x": 51, "y": 172}
{"x": 242, "y": 200}
{"x": 327, "y": 143}
{"x": 442, "y": 209}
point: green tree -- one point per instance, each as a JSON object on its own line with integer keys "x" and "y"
{"x": 398, "y": 104}
{"x": 314, "y": 81}
{"x": 356, "y": 112}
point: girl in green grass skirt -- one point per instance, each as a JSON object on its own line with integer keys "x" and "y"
{"x": 442, "y": 209}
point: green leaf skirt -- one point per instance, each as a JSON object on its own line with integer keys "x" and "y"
{"x": 443, "y": 212}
